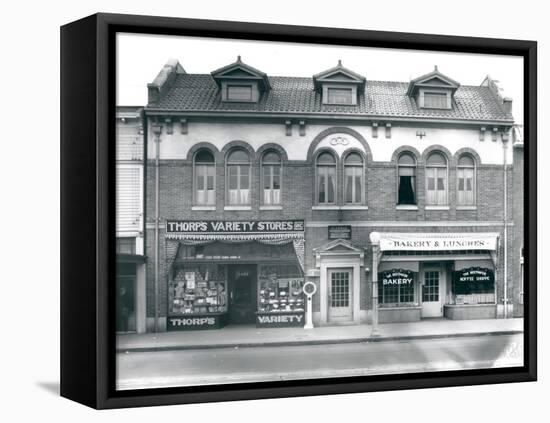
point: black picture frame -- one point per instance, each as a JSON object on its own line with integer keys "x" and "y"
{"x": 88, "y": 197}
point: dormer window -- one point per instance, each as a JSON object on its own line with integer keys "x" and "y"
{"x": 238, "y": 92}
{"x": 239, "y": 82}
{"x": 339, "y": 85}
{"x": 433, "y": 90}
{"x": 340, "y": 95}
{"x": 435, "y": 100}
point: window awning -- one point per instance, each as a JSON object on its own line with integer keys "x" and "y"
{"x": 472, "y": 241}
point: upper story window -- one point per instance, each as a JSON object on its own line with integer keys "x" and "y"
{"x": 340, "y": 95}
{"x": 433, "y": 90}
{"x": 436, "y": 179}
{"x": 339, "y": 85}
{"x": 238, "y": 177}
{"x": 353, "y": 179}
{"x": 239, "y": 92}
{"x": 239, "y": 82}
{"x": 205, "y": 171}
{"x": 434, "y": 100}
{"x": 465, "y": 174}
{"x": 271, "y": 178}
{"x": 325, "y": 170}
{"x": 406, "y": 170}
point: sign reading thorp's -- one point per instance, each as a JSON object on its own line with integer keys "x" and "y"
{"x": 234, "y": 226}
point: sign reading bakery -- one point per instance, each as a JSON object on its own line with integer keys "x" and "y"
{"x": 396, "y": 277}
{"x": 438, "y": 242}
{"x": 234, "y": 226}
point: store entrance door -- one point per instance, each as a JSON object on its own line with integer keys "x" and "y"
{"x": 125, "y": 298}
{"x": 432, "y": 291}
{"x": 339, "y": 295}
{"x": 242, "y": 297}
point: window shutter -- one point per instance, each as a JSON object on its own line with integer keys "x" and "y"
{"x": 128, "y": 199}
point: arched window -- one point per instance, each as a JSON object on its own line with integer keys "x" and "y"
{"x": 271, "y": 178}
{"x": 205, "y": 171}
{"x": 325, "y": 169}
{"x": 238, "y": 177}
{"x": 353, "y": 179}
{"x": 466, "y": 173}
{"x": 406, "y": 172}
{"x": 436, "y": 179}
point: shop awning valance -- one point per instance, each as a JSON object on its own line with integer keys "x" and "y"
{"x": 297, "y": 240}
{"x": 473, "y": 241}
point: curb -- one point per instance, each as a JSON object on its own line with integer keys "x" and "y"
{"x": 314, "y": 342}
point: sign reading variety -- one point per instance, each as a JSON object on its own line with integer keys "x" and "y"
{"x": 438, "y": 242}
{"x": 232, "y": 226}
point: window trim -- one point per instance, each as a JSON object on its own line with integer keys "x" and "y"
{"x": 465, "y": 206}
{"x": 254, "y": 91}
{"x": 444, "y": 205}
{"x": 237, "y": 163}
{"x": 343, "y": 86}
{"x": 362, "y": 202}
{"x": 422, "y": 102}
{"x": 213, "y": 164}
{"x": 262, "y": 188}
{"x": 335, "y": 165}
{"x": 404, "y": 206}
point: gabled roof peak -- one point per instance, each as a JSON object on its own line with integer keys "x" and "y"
{"x": 338, "y": 73}
{"x": 432, "y": 79}
{"x": 240, "y": 70}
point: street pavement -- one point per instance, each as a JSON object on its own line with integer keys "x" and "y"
{"x": 169, "y": 368}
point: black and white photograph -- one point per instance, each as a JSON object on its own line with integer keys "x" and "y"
{"x": 293, "y": 211}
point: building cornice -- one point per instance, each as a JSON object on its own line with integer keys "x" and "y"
{"x": 320, "y": 116}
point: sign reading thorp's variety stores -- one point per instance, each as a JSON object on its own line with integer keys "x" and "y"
{"x": 233, "y": 226}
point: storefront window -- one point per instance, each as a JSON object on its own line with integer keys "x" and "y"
{"x": 466, "y": 181}
{"x": 474, "y": 285}
{"x": 271, "y": 178}
{"x": 198, "y": 289}
{"x": 204, "y": 178}
{"x": 353, "y": 178}
{"x": 238, "y": 177}
{"x": 407, "y": 179}
{"x": 396, "y": 288}
{"x": 436, "y": 179}
{"x": 280, "y": 289}
{"x": 326, "y": 178}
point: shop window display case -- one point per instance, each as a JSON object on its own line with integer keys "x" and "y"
{"x": 197, "y": 298}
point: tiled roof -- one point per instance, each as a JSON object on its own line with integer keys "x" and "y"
{"x": 199, "y": 93}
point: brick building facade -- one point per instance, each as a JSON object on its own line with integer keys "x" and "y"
{"x": 399, "y": 201}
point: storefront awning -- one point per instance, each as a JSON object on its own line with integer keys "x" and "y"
{"x": 471, "y": 241}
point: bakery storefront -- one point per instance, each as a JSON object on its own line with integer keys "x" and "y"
{"x": 427, "y": 275}
{"x": 235, "y": 272}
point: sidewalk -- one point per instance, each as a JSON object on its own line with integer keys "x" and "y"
{"x": 239, "y": 336}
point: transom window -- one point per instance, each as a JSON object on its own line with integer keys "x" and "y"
{"x": 340, "y": 95}
{"x": 239, "y": 92}
{"x": 238, "y": 177}
{"x": 406, "y": 170}
{"x": 466, "y": 180}
{"x": 436, "y": 179}
{"x": 326, "y": 178}
{"x": 435, "y": 100}
{"x": 205, "y": 170}
{"x": 353, "y": 179}
{"x": 271, "y": 178}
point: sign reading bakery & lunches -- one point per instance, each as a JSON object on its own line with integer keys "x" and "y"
{"x": 234, "y": 226}
{"x": 438, "y": 242}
